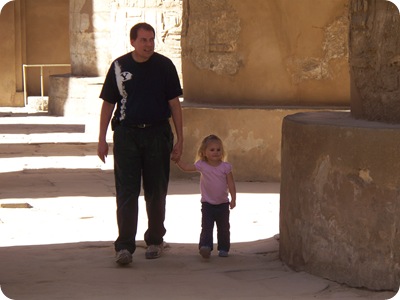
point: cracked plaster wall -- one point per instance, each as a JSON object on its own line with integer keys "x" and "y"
{"x": 266, "y": 52}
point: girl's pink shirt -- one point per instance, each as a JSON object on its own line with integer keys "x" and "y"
{"x": 213, "y": 183}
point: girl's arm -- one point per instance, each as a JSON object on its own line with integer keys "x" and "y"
{"x": 186, "y": 166}
{"x": 232, "y": 189}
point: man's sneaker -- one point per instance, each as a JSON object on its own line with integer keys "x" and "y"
{"x": 205, "y": 251}
{"x": 123, "y": 257}
{"x": 154, "y": 251}
{"x": 223, "y": 253}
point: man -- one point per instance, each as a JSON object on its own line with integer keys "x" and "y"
{"x": 145, "y": 87}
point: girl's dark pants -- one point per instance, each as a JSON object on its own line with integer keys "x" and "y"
{"x": 220, "y": 215}
{"x": 141, "y": 153}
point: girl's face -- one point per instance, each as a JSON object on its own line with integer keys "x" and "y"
{"x": 213, "y": 152}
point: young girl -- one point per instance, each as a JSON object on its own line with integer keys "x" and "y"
{"x": 215, "y": 181}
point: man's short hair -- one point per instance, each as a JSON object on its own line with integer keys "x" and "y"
{"x": 135, "y": 29}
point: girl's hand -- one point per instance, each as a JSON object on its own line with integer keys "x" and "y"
{"x": 232, "y": 204}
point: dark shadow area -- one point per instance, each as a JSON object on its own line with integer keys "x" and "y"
{"x": 192, "y": 186}
{"x": 51, "y": 183}
{"x": 41, "y": 128}
{"x": 262, "y": 188}
{"x": 20, "y": 114}
{"x": 49, "y": 149}
{"x": 86, "y": 270}
{"x": 252, "y": 247}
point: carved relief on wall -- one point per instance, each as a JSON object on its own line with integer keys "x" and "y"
{"x": 100, "y": 31}
{"x": 212, "y": 43}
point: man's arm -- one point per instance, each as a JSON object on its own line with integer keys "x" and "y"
{"x": 176, "y": 111}
{"x": 105, "y": 117}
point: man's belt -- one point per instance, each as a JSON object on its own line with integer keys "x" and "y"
{"x": 146, "y": 125}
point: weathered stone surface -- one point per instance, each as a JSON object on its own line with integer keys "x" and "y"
{"x": 89, "y": 37}
{"x": 7, "y": 48}
{"x": 340, "y": 199}
{"x": 74, "y": 96}
{"x": 99, "y": 31}
{"x": 375, "y": 60}
{"x": 212, "y": 37}
{"x": 334, "y": 49}
{"x": 265, "y": 53}
{"x": 253, "y": 151}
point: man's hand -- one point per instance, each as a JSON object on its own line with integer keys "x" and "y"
{"x": 102, "y": 150}
{"x": 176, "y": 152}
{"x": 176, "y": 111}
{"x": 105, "y": 117}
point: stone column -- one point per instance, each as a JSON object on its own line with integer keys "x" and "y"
{"x": 90, "y": 37}
{"x": 340, "y": 170}
{"x": 374, "y": 43}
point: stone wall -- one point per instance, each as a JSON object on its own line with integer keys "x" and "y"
{"x": 244, "y": 67}
{"x": 252, "y": 139}
{"x": 235, "y": 52}
{"x": 32, "y": 32}
{"x": 99, "y": 31}
{"x": 268, "y": 58}
{"x": 264, "y": 53}
{"x": 7, "y": 58}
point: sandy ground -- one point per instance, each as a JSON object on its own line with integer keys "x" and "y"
{"x": 57, "y": 226}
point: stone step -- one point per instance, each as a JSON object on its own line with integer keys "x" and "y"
{"x": 20, "y": 157}
{"x": 24, "y": 125}
{"x": 37, "y": 140}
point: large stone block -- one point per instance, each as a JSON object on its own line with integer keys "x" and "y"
{"x": 74, "y": 96}
{"x": 340, "y": 199}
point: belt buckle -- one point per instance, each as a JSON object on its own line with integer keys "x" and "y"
{"x": 142, "y": 126}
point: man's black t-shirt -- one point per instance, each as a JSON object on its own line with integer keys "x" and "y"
{"x": 141, "y": 90}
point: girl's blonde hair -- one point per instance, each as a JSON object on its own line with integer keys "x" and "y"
{"x": 206, "y": 141}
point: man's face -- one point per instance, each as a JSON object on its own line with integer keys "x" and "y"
{"x": 144, "y": 45}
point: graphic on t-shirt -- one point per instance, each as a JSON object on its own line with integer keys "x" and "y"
{"x": 121, "y": 78}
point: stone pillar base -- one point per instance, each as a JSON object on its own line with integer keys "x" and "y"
{"x": 340, "y": 199}
{"x": 74, "y": 96}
